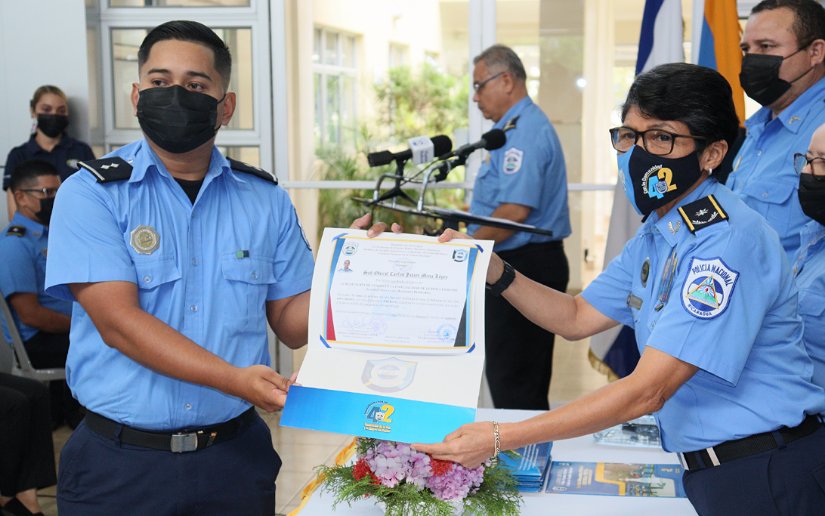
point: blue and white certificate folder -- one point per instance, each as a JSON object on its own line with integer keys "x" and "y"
{"x": 530, "y": 465}
{"x": 396, "y": 337}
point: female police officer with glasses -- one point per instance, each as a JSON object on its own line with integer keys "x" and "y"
{"x": 706, "y": 285}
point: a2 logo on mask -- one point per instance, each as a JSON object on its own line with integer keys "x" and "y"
{"x": 652, "y": 181}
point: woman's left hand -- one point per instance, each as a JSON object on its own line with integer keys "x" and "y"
{"x": 470, "y": 445}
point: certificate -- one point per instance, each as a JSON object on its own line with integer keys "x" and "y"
{"x": 396, "y": 337}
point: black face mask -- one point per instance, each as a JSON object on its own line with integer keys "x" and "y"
{"x": 652, "y": 181}
{"x": 812, "y": 197}
{"x": 45, "y": 213}
{"x": 760, "y": 77}
{"x": 176, "y": 119}
{"x": 52, "y": 125}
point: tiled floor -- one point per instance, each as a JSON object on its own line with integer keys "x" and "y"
{"x": 302, "y": 450}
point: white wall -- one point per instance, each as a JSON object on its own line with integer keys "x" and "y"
{"x": 41, "y": 42}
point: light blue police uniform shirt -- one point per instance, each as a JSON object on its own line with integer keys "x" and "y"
{"x": 809, "y": 269}
{"x": 528, "y": 170}
{"x": 763, "y": 173}
{"x": 23, "y": 270}
{"x": 754, "y": 374}
{"x": 217, "y": 263}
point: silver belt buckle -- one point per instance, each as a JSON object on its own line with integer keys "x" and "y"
{"x": 182, "y": 443}
{"x": 683, "y": 461}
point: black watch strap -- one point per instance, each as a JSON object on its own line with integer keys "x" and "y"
{"x": 507, "y": 277}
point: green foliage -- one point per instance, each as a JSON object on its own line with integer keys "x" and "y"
{"x": 408, "y": 104}
{"x": 427, "y": 102}
{"x": 497, "y": 496}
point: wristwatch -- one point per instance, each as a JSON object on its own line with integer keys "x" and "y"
{"x": 507, "y": 277}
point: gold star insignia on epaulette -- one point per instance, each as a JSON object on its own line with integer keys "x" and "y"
{"x": 702, "y": 213}
{"x": 511, "y": 124}
{"x": 17, "y": 231}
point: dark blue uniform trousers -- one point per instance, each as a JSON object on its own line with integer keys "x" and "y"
{"x": 789, "y": 480}
{"x": 101, "y": 476}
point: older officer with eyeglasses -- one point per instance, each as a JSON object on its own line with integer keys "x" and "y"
{"x": 523, "y": 181}
{"x": 707, "y": 287}
{"x": 809, "y": 263}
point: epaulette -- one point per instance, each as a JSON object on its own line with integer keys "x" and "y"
{"x": 511, "y": 124}
{"x": 240, "y": 166}
{"x": 17, "y": 231}
{"x": 107, "y": 170}
{"x": 702, "y": 213}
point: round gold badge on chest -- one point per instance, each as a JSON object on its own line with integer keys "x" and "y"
{"x": 145, "y": 240}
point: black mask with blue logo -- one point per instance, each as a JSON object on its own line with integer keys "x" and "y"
{"x": 652, "y": 181}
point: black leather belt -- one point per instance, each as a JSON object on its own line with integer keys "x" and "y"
{"x": 758, "y": 443}
{"x": 178, "y": 442}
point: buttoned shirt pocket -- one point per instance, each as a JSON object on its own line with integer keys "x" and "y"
{"x": 247, "y": 282}
{"x": 157, "y": 279}
{"x": 770, "y": 199}
{"x": 151, "y": 274}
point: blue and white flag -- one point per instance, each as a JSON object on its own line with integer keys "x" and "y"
{"x": 614, "y": 351}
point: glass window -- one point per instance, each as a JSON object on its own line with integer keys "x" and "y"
{"x": 335, "y": 85}
{"x": 125, "y": 45}
{"x": 178, "y": 3}
{"x": 399, "y": 55}
{"x": 248, "y": 154}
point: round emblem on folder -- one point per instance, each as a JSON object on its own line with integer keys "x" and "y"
{"x": 145, "y": 240}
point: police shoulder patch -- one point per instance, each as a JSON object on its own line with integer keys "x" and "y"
{"x": 511, "y": 124}
{"x": 17, "y": 231}
{"x": 702, "y": 213}
{"x": 512, "y": 160}
{"x": 708, "y": 287}
{"x": 107, "y": 170}
{"x": 240, "y": 166}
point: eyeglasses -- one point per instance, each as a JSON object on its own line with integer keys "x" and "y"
{"x": 47, "y": 192}
{"x": 815, "y": 165}
{"x": 657, "y": 141}
{"x": 478, "y": 86}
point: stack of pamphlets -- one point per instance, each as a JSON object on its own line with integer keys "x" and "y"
{"x": 530, "y": 466}
{"x": 604, "y": 478}
{"x": 641, "y": 432}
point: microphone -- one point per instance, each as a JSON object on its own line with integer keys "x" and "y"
{"x": 491, "y": 140}
{"x": 422, "y": 149}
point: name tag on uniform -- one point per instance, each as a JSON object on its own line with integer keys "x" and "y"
{"x": 634, "y": 302}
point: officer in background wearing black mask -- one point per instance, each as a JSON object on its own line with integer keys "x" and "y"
{"x": 782, "y": 69}
{"x": 809, "y": 265}
{"x": 42, "y": 320}
{"x": 48, "y": 142}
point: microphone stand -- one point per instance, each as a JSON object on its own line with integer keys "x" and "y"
{"x": 396, "y": 190}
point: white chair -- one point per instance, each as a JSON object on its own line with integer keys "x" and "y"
{"x": 21, "y": 365}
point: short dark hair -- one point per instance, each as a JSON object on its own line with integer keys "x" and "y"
{"x": 809, "y": 18}
{"x": 503, "y": 56}
{"x": 695, "y": 95}
{"x": 184, "y": 30}
{"x": 28, "y": 171}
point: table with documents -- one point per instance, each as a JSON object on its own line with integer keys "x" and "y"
{"x": 581, "y": 449}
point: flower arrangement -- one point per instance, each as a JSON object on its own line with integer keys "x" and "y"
{"x": 410, "y": 482}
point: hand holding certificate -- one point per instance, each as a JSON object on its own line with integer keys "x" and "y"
{"x": 396, "y": 346}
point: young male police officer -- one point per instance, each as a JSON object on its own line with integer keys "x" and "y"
{"x": 783, "y": 69}
{"x": 176, "y": 258}
{"x": 524, "y": 181}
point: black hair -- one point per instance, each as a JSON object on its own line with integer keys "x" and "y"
{"x": 695, "y": 95}
{"x": 809, "y": 18}
{"x": 184, "y": 30}
{"x": 28, "y": 171}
